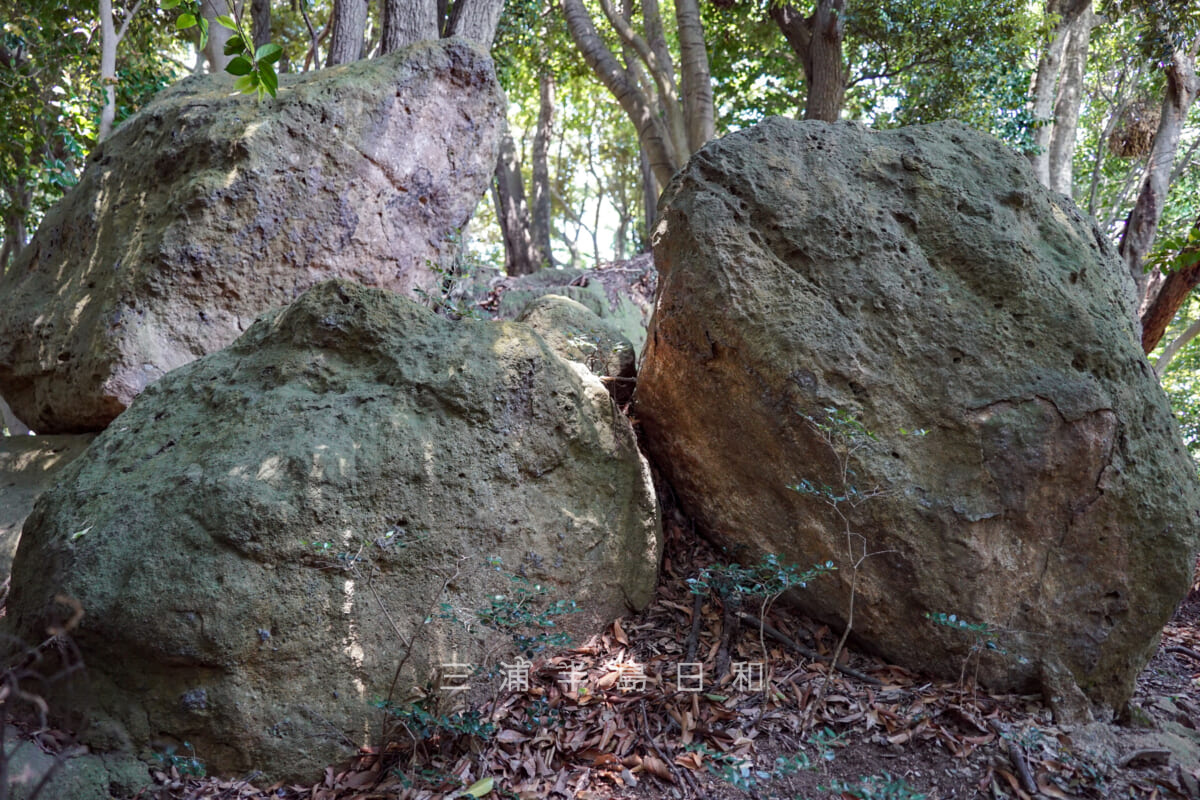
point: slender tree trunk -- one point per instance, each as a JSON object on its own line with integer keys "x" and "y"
{"x": 1142, "y": 223}
{"x": 218, "y": 35}
{"x": 110, "y": 37}
{"x": 1045, "y": 80}
{"x": 1165, "y": 294}
{"x": 1070, "y": 98}
{"x": 652, "y": 133}
{"x": 260, "y": 22}
{"x": 108, "y": 69}
{"x": 694, "y": 75}
{"x": 817, "y": 42}
{"x": 406, "y": 22}
{"x": 475, "y": 20}
{"x": 520, "y": 255}
{"x": 650, "y": 191}
{"x": 1172, "y": 349}
{"x": 541, "y": 171}
{"x": 348, "y": 29}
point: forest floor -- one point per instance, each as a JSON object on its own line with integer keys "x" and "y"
{"x": 886, "y": 733}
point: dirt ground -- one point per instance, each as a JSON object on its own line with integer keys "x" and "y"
{"x": 886, "y": 734}
{"x": 873, "y": 731}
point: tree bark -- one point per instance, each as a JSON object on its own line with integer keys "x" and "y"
{"x": 652, "y": 133}
{"x": 406, "y": 22}
{"x": 817, "y": 42}
{"x": 218, "y": 35}
{"x": 520, "y": 255}
{"x": 1045, "y": 81}
{"x": 1066, "y": 108}
{"x": 348, "y": 28}
{"x": 260, "y": 22}
{"x": 1142, "y": 223}
{"x": 108, "y": 69}
{"x": 110, "y": 37}
{"x": 694, "y": 75}
{"x": 650, "y": 193}
{"x": 1165, "y": 294}
{"x": 1161, "y": 309}
{"x": 541, "y": 171}
{"x": 475, "y": 20}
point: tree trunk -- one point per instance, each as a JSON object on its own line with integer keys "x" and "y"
{"x": 520, "y": 255}
{"x": 1165, "y": 294}
{"x": 1045, "y": 81}
{"x": 475, "y": 20}
{"x": 406, "y": 22}
{"x": 1172, "y": 349}
{"x": 694, "y": 74}
{"x": 541, "y": 172}
{"x": 817, "y": 42}
{"x": 1142, "y": 222}
{"x": 218, "y": 35}
{"x": 110, "y": 37}
{"x": 108, "y": 69}
{"x": 649, "y": 195}
{"x": 348, "y": 29}
{"x": 260, "y": 22}
{"x": 1066, "y": 108}
{"x": 1161, "y": 309}
{"x": 652, "y": 133}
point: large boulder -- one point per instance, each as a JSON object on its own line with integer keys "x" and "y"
{"x": 29, "y": 465}
{"x": 921, "y": 279}
{"x": 207, "y": 208}
{"x": 258, "y": 542}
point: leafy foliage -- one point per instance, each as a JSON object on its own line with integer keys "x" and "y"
{"x": 254, "y": 67}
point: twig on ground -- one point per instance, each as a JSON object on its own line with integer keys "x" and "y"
{"x": 808, "y": 652}
{"x": 679, "y": 776}
{"x": 693, "y": 640}
{"x": 1017, "y": 756}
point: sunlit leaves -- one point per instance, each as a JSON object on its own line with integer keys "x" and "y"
{"x": 254, "y": 69}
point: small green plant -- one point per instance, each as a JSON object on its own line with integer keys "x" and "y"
{"x": 526, "y": 616}
{"x": 874, "y": 787}
{"x": 450, "y": 296}
{"x": 984, "y": 638}
{"x": 741, "y": 773}
{"x": 186, "y": 766}
{"x": 845, "y": 437}
{"x": 254, "y": 67}
{"x": 733, "y": 584}
{"x": 427, "y": 725}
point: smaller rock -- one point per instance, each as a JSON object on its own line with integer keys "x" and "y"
{"x": 28, "y": 466}
{"x": 621, "y": 292}
{"x": 577, "y": 334}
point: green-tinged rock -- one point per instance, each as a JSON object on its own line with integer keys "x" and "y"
{"x": 921, "y": 279}
{"x": 577, "y": 334}
{"x": 271, "y": 529}
{"x": 207, "y": 208}
{"x": 28, "y": 466}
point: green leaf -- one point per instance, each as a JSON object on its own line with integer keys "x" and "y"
{"x": 239, "y": 66}
{"x": 245, "y": 84}
{"x": 270, "y": 80}
{"x": 227, "y": 21}
{"x": 269, "y": 53}
{"x": 234, "y": 47}
{"x": 480, "y": 787}
{"x": 167, "y": 5}
{"x": 185, "y": 21}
